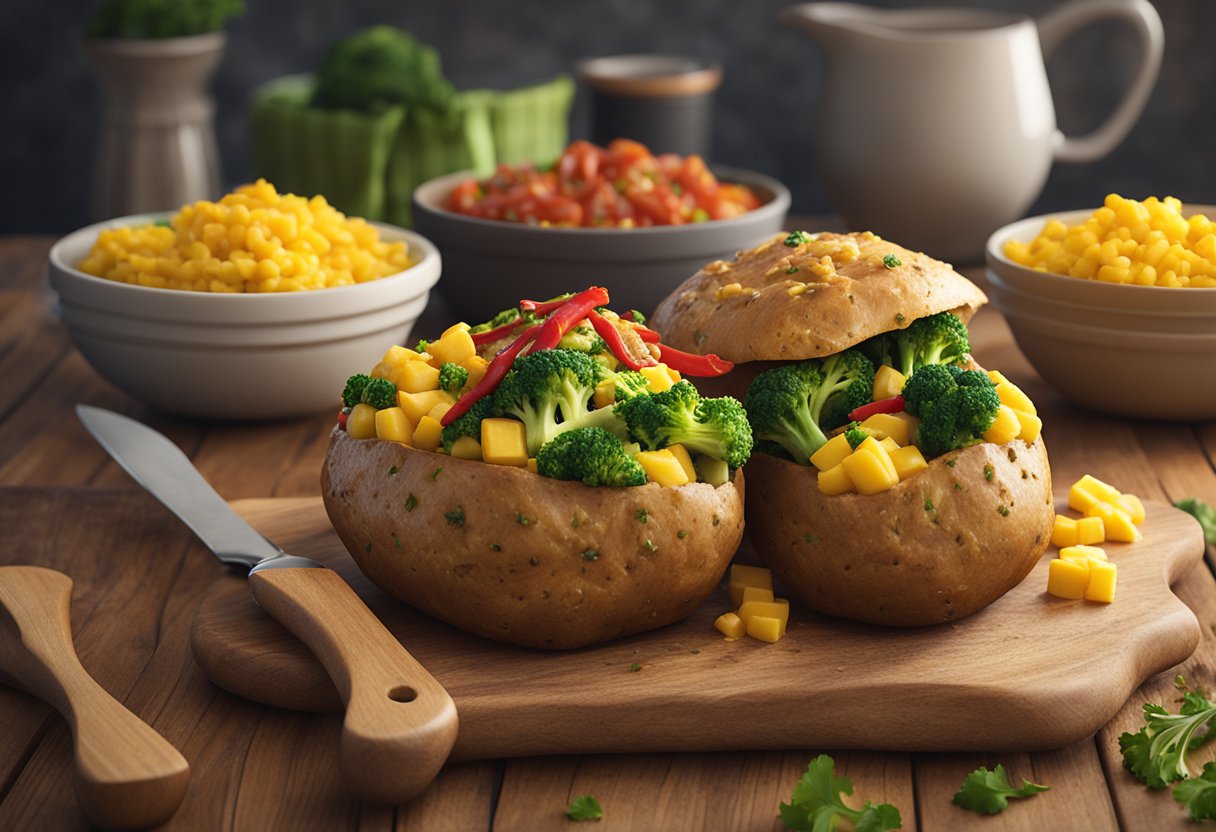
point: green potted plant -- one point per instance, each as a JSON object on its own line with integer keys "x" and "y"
{"x": 155, "y": 58}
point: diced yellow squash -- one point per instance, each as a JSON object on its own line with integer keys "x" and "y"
{"x": 1132, "y": 505}
{"x": 439, "y": 411}
{"x": 890, "y": 445}
{"x": 872, "y": 445}
{"x": 757, "y": 593}
{"x": 711, "y": 470}
{"x": 396, "y": 356}
{"x": 685, "y": 459}
{"x": 662, "y": 467}
{"x": 605, "y": 394}
{"x": 1083, "y": 553}
{"x": 1030, "y": 425}
{"x": 675, "y": 374}
{"x": 868, "y": 473}
{"x": 742, "y": 575}
{"x": 998, "y": 377}
{"x": 1010, "y": 394}
{"x": 532, "y": 464}
{"x": 417, "y": 405}
{"x": 885, "y": 425}
{"x": 831, "y": 453}
{"x": 778, "y": 608}
{"x": 417, "y": 377}
{"x": 657, "y": 378}
{"x": 888, "y": 382}
{"x": 835, "y": 480}
{"x": 1080, "y": 499}
{"x": 455, "y": 328}
{"x": 1005, "y": 427}
{"x": 1064, "y": 532}
{"x": 763, "y": 628}
{"x": 1067, "y": 578}
{"x": 392, "y": 424}
{"x": 466, "y": 447}
{"x": 476, "y": 365}
{"x": 453, "y": 346}
{"x": 1105, "y": 492}
{"x": 361, "y": 423}
{"x": 1101, "y": 585}
{"x": 1117, "y": 523}
{"x": 1090, "y": 530}
{"x": 730, "y": 625}
{"x": 908, "y": 460}
{"x": 428, "y": 434}
{"x": 503, "y": 442}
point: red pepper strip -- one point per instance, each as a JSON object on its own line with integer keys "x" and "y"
{"x": 567, "y": 316}
{"x": 491, "y": 335}
{"x": 494, "y": 374}
{"x": 701, "y": 366}
{"x": 892, "y": 405}
{"x": 342, "y": 416}
{"x": 542, "y": 308}
{"x": 647, "y": 334}
{"x": 612, "y": 337}
{"x": 628, "y": 316}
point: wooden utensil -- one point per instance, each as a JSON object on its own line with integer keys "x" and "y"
{"x": 127, "y": 775}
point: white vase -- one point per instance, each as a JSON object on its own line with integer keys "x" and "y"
{"x": 157, "y": 149}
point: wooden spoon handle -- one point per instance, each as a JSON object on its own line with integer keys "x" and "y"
{"x": 400, "y": 723}
{"x": 127, "y": 775}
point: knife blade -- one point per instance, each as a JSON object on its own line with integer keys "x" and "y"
{"x": 400, "y": 724}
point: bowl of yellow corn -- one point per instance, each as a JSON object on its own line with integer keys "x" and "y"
{"x": 252, "y": 307}
{"x": 1115, "y": 307}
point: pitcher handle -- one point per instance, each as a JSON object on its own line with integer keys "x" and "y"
{"x": 1055, "y": 27}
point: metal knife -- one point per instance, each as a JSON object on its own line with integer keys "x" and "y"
{"x": 400, "y": 724}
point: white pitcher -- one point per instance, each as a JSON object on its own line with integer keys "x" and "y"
{"x": 937, "y": 125}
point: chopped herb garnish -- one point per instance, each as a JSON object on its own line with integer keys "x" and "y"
{"x": 455, "y": 516}
{"x": 437, "y": 472}
{"x": 641, "y": 516}
{"x": 682, "y": 533}
{"x": 817, "y": 804}
{"x": 494, "y": 547}
{"x": 1003, "y": 510}
{"x": 1013, "y": 455}
{"x": 929, "y": 505}
{"x": 576, "y": 521}
{"x": 891, "y": 261}
{"x": 394, "y": 471}
{"x": 717, "y": 520}
{"x": 1156, "y": 754}
{"x": 958, "y": 486}
{"x": 989, "y": 472}
{"x": 648, "y": 545}
{"x": 950, "y": 463}
{"x": 792, "y": 270}
{"x": 585, "y": 808}
{"x": 411, "y": 502}
{"x": 397, "y": 542}
{"x": 590, "y": 554}
{"x": 422, "y": 345}
{"x": 797, "y": 238}
{"x": 810, "y": 538}
{"x": 524, "y": 521}
{"x": 987, "y": 792}
{"x": 635, "y": 667}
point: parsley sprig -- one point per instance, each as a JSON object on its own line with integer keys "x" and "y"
{"x": 1198, "y": 795}
{"x": 817, "y": 804}
{"x": 988, "y": 792}
{"x": 585, "y": 808}
{"x": 1157, "y": 752}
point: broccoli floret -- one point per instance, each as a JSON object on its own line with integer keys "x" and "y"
{"x": 638, "y": 317}
{"x": 855, "y": 434}
{"x": 679, "y": 416}
{"x": 549, "y": 391}
{"x": 794, "y": 404}
{"x": 380, "y": 67}
{"x": 955, "y": 407}
{"x": 501, "y": 319}
{"x": 582, "y": 338}
{"x": 1204, "y": 513}
{"x": 592, "y": 455}
{"x": 353, "y": 393}
{"x": 467, "y": 425}
{"x": 629, "y": 383}
{"x": 379, "y": 393}
{"x": 936, "y": 339}
{"x": 452, "y": 377}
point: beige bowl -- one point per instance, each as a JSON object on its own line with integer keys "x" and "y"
{"x": 235, "y": 357}
{"x": 1141, "y": 351}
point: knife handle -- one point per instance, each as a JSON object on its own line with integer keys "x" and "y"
{"x": 127, "y": 775}
{"x": 400, "y": 723}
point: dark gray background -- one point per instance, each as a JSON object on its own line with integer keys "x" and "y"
{"x": 50, "y": 107}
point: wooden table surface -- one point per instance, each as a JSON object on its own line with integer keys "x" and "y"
{"x": 256, "y": 768}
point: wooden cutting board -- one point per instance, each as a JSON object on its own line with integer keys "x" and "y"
{"x": 1029, "y": 672}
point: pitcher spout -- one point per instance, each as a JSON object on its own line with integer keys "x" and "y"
{"x": 825, "y": 22}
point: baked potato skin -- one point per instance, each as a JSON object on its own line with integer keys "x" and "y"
{"x": 887, "y": 558}
{"x": 530, "y": 561}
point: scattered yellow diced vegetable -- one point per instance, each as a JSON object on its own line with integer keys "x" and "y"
{"x": 763, "y": 628}
{"x": 361, "y": 423}
{"x": 883, "y": 425}
{"x": 605, "y": 393}
{"x": 888, "y": 382}
{"x": 1080, "y": 498}
{"x": 392, "y": 424}
{"x": 889, "y": 445}
{"x": 476, "y": 365}
{"x": 1067, "y": 579}
{"x": 503, "y": 442}
{"x": 1116, "y": 522}
{"x": 908, "y": 460}
{"x": 757, "y": 593}
{"x": 454, "y": 346}
{"x": 1083, "y": 553}
{"x": 1105, "y": 492}
{"x": 532, "y": 464}
{"x": 657, "y": 378}
{"x": 1090, "y": 530}
{"x": 831, "y": 453}
{"x": 870, "y": 468}
{"x": 428, "y": 434}
{"x": 835, "y": 480}
{"x": 417, "y": 405}
{"x": 1005, "y": 427}
{"x": 742, "y": 575}
{"x": 1064, "y": 532}
{"x": 1101, "y": 584}
{"x": 1030, "y": 426}
{"x": 779, "y": 609}
{"x": 730, "y": 625}
{"x": 466, "y": 447}
{"x": 439, "y": 411}
{"x": 662, "y": 467}
{"x": 1010, "y": 394}
{"x": 455, "y": 329}
{"x": 417, "y": 377}
{"x": 682, "y": 456}
{"x": 1132, "y": 505}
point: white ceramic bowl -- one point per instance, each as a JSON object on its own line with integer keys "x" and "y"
{"x": 1141, "y": 351}
{"x": 236, "y": 356}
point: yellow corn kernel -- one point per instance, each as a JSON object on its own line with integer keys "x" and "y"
{"x": 417, "y": 405}
{"x": 908, "y": 460}
{"x": 417, "y": 377}
{"x": 1005, "y": 427}
{"x": 361, "y": 423}
{"x": 885, "y": 425}
{"x": 763, "y": 628}
{"x": 466, "y": 447}
{"x": 605, "y": 394}
{"x": 742, "y": 576}
{"x": 1118, "y": 525}
{"x": 1090, "y": 530}
{"x": 454, "y": 346}
{"x": 503, "y": 442}
{"x": 831, "y": 453}
{"x": 1067, "y": 579}
{"x": 1064, "y": 531}
{"x": 757, "y": 593}
{"x": 835, "y": 480}
{"x": 428, "y": 434}
{"x": 532, "y": 465}
{"x": 476, "y": 365}
{"x": 1083, "y": 553}
{"x": 392, "y": 424}
{"x": 888, "y": 382}
{"x": 1029, "y": 426}
{"x": 682, "y": 456}
{"x": 1101, "y": 584}
{"x": 1132, "y": 505}
{"x": 730, "y": 625}
{"x": 657, "y": 378}
{"x": 662, "y": 467}
{"x": 711, "y": 470}
{"x": 867, "y": 471}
